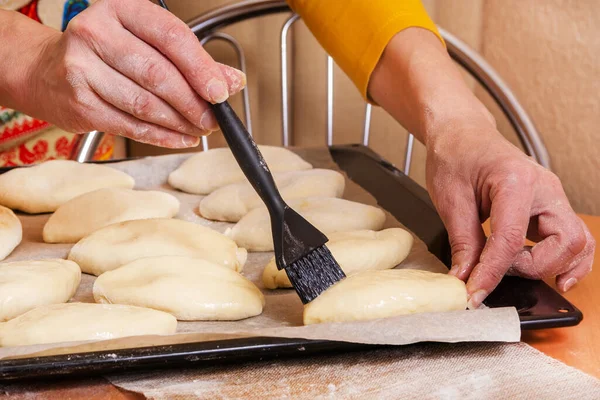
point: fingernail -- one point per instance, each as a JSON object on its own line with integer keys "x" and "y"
{"x": 569, "y": 284}
{"x": 238, "y": 80}
{"x": 476, "y": 299}
{"x": 461, "y": 271}
{"x": 217, "y": 91}
{"x": 208, "y": 122}
{"x": 464, "y": 271}
{"x": 191, "y": 130}
{"x": 453, "y": 270}
{"x": 243, "y": 79}
{"x": 190, "y": 141}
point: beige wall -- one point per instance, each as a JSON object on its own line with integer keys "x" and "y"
{"x": 547, "y": 51}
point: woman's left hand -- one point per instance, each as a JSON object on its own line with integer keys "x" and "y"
{"x": 474, "y": 174}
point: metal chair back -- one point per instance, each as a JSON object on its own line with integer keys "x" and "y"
{"x": 207, "y": 26}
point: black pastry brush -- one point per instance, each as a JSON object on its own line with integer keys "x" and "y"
{"x": 299, "y": 247}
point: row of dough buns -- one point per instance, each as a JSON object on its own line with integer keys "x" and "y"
{"x": 34, "y": 308}
{"x": 91, "y": 202}
{"x": 355, "y": 251}
{"x": 159, "y": 269}
{"x": 45, "y": 187}
{"x": 354, "y": 240}
{"x": 89, "y": 212}
{"x": 230, "y": 203}
{"x": 219, "y": 168}
{"x": 34, "y": 294}
{"x": 115, "y": 245}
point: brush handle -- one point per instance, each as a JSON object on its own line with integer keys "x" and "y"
{"x": 248, "y": 156}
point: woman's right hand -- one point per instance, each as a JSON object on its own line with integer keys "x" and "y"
{"x": 129, "y": 68}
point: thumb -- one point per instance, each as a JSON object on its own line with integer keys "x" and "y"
{"x": 461, "y": 218}
{"x": 509, "y": 219}
{"x": 236, "y": 79}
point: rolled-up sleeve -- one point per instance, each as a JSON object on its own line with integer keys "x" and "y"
{"x": 356, "y": 32}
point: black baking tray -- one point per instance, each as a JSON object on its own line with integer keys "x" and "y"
{"x": 539, "y": 306}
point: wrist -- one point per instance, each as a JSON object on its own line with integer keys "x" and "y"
{"x": 419, "y": 85}
{"x": 450, "y": 119}
{"x": 25, "y": 42}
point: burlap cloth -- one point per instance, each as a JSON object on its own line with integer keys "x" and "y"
{"x": 389, "y": 373}
{"x": 445, "y": 371}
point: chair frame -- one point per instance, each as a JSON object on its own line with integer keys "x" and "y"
{"x": 206, "y": 28}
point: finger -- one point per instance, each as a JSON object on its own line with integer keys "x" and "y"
{"x": 131, "y": 98}
{"x": 107, "y": 118}
{"x": 562, "y": 232}
{"x": 466, "y": 235}
{"x": 178, "y": 43}
{"x": 566, "y": 281}
{"x": 563, "y": 240}
{"x": 141, "y": 63}
{"x": 236, "y": 79}
{"x": 581, "y": 265}
{"x": 509, "y": 218}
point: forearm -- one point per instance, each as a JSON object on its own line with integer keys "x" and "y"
{"x": 22, "y": 40}
{"x": 418, "y": 84}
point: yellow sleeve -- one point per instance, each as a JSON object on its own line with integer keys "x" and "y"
{"x": 355, "y": 32}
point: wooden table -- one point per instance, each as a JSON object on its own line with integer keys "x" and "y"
{"x": 578, "y": 346}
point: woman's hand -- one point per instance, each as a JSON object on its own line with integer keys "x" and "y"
{"x": 128, "y": 68}
{"x": 475, "y": 174}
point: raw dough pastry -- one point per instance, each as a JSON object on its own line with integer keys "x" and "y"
{"x": 45, "y": 187}
{"x": 11, "y": 232}
{"x": 92, "y": 211}
{"x": 387, "y": 293}
{"x": 329, "y": 215}
{"x": 230, "y": 203}
{"x": 25, "y": 285}
{"x": 83, "y": 321}
{"x": 355, "y": 251}
{"x": 118, "y": 244}
{"x": 189, "y": 288}
{"x": 212, "y": 169}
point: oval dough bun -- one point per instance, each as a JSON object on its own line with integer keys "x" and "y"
{"x": 118, "y": 244}
{"x": 47, "y": 186}
{"x": 329, "y": 215}
{"x": 11, "y": 232}
{"x": 355, "y": 251}
{"x": 71, "y": 322}
{"x": 212, "y": 169}
{"x": 387, "y": 293}
{"x": 188, "y": 288}
{"x": 89, "y": 212}
{"x": 230, "y": 203}
{"x": 25, "y": 285}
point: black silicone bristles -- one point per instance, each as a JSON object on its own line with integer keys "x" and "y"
{"x": 314, "y": 273}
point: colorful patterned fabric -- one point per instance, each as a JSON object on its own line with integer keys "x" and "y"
{"x": 53, "y": 144}
{"x": 26, "y": 140}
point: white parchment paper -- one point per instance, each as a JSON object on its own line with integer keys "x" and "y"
{"x": 282, "y": 316}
